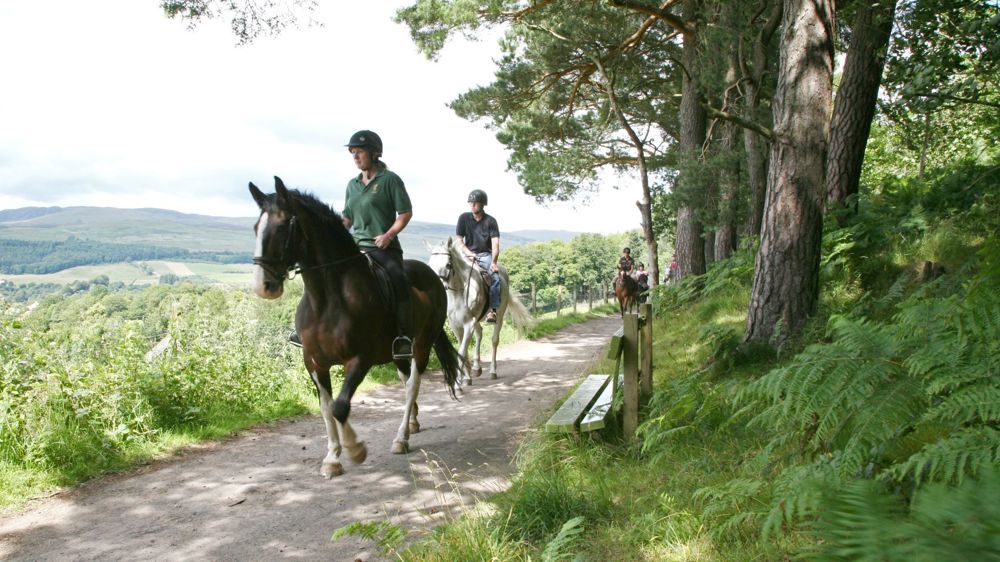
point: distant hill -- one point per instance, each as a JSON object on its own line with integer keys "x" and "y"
{"x": 201, "y": 235}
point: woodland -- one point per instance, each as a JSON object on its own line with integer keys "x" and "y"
{"x": 827, "y": 367}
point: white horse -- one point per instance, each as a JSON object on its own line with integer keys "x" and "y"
{"x": 468, "y": 303}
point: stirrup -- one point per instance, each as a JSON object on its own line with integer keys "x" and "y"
{"x": 293, "y": 338}
{"x": 402, "y": 348}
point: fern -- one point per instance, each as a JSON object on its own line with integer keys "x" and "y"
{"x": 967, "y": 451}
{"x": 559, "y": 547}
{"x": 384, "y": 534}
{"x": 862, "y": 521}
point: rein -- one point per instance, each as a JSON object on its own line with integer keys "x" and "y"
{"x": 272, "y": 265}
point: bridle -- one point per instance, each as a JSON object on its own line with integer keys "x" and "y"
{"x": 449, "y": 270}
{"x": 286, "y": 267}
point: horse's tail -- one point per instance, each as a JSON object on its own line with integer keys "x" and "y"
{"x": 448, "y": 357}
{"x": 519, "y": 313}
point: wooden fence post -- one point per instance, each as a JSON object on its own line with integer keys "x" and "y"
{"x": 630, "y": 350}
{"x": 646, "y": 351}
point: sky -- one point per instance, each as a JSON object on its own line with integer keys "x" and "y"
{"x": 109, "y": 103}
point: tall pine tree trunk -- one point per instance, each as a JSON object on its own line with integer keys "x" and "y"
{"x": 754, "y": 144}
{"x": 856, "y": 97}
{"x": 690, "y": 245}
{"x": 786, "y": 274}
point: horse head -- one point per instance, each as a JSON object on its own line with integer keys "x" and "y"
{"x": 441, "y": 260}
{"x": 278, "y": 246}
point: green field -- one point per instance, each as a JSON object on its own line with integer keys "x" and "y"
{"x": 143, "y": 273}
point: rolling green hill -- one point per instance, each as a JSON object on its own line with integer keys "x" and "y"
{"x": 37, "y": 236}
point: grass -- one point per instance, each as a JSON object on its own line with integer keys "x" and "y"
{"x": 639, "y": 501}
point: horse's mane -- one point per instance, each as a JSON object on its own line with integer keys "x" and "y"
{"x": 325, "y": 216}
{"x": 457, "y": 254}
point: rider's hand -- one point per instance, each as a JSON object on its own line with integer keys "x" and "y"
{"x": 382, "y": 241}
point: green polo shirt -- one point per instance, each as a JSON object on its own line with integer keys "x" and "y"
{"x": 373, "y": 208}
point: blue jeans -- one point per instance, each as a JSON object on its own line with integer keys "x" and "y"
{"x": 484, "y": 260}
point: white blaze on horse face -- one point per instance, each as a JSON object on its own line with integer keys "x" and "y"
{"x": 258, "y": 271}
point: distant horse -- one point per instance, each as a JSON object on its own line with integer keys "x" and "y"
{"x": 626, "y": 291}
{"x": 469, "y": 301}
{"x": 342, "y": 318}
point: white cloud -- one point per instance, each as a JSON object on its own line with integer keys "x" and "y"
{"x": 113, "y": 104}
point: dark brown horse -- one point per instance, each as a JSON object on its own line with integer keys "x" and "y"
{"x": 343, "y": 317}
{"x": 626, "y": 291}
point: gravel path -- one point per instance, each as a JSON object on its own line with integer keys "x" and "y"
{"x": 259, "y": 496}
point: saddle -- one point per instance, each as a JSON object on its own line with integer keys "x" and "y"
{"x": 382, "y": 283}
{"x": 484, "y": 283}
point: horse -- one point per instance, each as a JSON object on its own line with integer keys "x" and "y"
{"x": 626, "y": 291}
{"x": 342, "y": 318}
{"x": 468, "y": 303}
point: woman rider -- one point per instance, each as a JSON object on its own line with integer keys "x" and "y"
{"x": 376, "y": 209}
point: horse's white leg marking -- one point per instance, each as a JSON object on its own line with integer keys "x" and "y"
{"x": 356, "y": 450}
{"x": 401, "y": 444}
{"x": 464, "y": 347}
{"x": 258, "y": 271}
{"x": 495, "y": 340}
{"x": 477, "y": 330}
{"x": 331, "y": 463}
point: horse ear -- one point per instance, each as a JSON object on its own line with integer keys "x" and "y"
{"x": 283, "y": 200}
{"x": 258, "y": 196}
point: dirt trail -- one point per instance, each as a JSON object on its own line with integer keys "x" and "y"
{"x": 259, "y": 496}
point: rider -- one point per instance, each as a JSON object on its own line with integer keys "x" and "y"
{"x": 641, "y": 277}
{"x": 378, "y": 208}
{"x": 479, "y": 240}
{"x": 625, "y": 262}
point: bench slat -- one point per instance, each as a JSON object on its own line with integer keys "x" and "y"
{"x": 600, "y": 410}
{"x": 575, "y": 407}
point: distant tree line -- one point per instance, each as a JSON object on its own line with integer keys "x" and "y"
{"x": 39, "y": 257}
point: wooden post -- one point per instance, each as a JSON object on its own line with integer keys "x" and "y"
{"x": 534, "y": 303}
{"x": 576, "y": 296}
{"x": 630, "y": 352}
{"x": 645, "y": 351}
{"x": 559, "y": 301}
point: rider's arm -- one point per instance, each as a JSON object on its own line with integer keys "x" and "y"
{"x": 495, "y": 250}
{"x": 402, "y": 219}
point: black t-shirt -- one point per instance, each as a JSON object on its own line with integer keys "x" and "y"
{"x": 477, "y": 235}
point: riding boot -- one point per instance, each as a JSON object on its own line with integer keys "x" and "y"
{"x": 402, "y": 346}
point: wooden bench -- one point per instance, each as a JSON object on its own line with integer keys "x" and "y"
{"x": 590, "y": 407}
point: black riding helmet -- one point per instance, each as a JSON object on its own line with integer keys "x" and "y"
{"x": 477, "y": 196}
{"x": 368, "y": 140}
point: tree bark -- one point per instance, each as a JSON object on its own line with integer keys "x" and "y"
{"x": 786, "y": 275}
{"x": 856, "y": 97}
{"x": 755, "y": 144}
{"x": 690, "y": 245}
{"x": 729, "y": 184}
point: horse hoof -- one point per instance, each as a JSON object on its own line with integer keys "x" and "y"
{"x": 400, "y": 447}
{"x": 331, "y": 470}
{"x": 493, "y": 375}
{"x": 479, "y": 372}
{"x": 358, "y": 453}
{"x": 414, "y": 427}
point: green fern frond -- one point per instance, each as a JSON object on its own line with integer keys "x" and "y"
{"x": 967, "y": 451}
{"x": 559, "y": 548}
{"x": 979, "y": 403}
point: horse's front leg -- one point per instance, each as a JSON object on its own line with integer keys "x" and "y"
{"x": 463, "y": 353}
{"x": 401, "y": 444}
{"x": 331, "y": 465}
{"x": 354, "y": 373}
{"x": 495, "y": 340}
{"x": 477, "y": 334}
